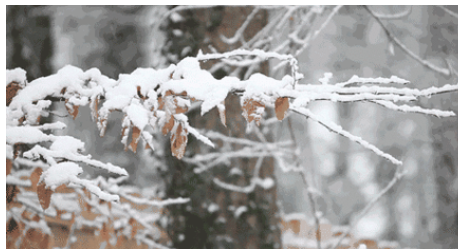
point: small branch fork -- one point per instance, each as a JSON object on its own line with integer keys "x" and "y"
{"x": 397, "y": 177}
{"x": 443, "y": 71}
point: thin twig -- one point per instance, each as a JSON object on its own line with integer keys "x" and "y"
{"x": 317, "y": 32}
{"x": 239, "y": 33}
{"x": 397, "y": 15}
{"x": 443, "y": 71}
{"x": 310, "y": 196}
{"x": 397, "y": 176}
{"x": 331, "y": 126}
{"x": 453, "y": 14}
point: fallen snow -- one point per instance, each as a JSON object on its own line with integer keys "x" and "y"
{"x": 61, "y": 173}
{"x": 16, "y": 75}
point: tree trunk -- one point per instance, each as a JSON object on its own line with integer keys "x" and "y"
{"x": 198, "y": 224}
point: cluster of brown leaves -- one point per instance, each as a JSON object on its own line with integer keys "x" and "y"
{"x": 21, "y": 236}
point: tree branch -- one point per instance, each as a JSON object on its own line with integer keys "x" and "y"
{"x": 443, "y": 71}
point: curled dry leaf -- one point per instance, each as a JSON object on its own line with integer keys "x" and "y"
{"x": 179, "y": 140}
{"x": 95, "y": 108}
{"x": 11, "y": 91}
{"x": 44, "y": 195}
{"x": 168, "y": 126}
{"x": 281, "y": 106}
{"x": 161, "y": 102}
{"x": 135, "y": 137}
{"x": 35, "y": 177}
{"x": 9, "y": 166}
{"x": 72, "y": 109}
{"x": 252, "y": 110}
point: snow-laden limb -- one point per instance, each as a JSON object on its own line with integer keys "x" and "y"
{"x": 61, "y": 173}
{"x": 150, "y": 243}
{"x": 358, "y": 80}
{"x": 210, "y": 160}
{"x": 338, "y": 129}
{"x": 91, "y": 187}
{"x": 266, "y": 183}
{"x": 157, "y": 203}
{"x": 17, "y": 75}
{"x": 69, "y": 154}
{"x": 263, "y": 55}
{"x": 13, "y": 180}
{"x": 199, "y": 136}
{"x": 26, "y": 135}
{"x": 414, "y": 109}
{"x": 244, "y": 141}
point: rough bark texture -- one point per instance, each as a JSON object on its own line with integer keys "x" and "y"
{"x": 195, "y": 225}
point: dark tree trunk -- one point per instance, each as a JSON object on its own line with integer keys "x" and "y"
{"x": 194, "y": 225}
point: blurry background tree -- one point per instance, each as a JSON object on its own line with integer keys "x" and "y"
{"x": 367, "y": 41}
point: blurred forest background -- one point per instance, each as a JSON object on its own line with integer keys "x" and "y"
{"x": 420, "y": 212}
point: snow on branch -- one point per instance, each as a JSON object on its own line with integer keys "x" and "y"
{"x": 339, "y": 130}
{"x": 158, "y": 100}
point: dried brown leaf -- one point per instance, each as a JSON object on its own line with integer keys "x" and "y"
{"x": 72, "y": 109}
{"x": 95, "y": 113}
{"x": 168, "y": 126}
{"x": 35, "y": 177}
{"x": 250, "y": 110}
{"x": 179, "y": 141}
{"x": 11, "y": 91}
{"x": 281, "y": 106}
{"x": 44, "y": 195}
{"x": 161, "y": 103}
{"x": 135, "y": 137}
{"x": 9, "y": 166}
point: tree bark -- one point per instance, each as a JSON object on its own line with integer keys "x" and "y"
{"x": 195, "y": 225}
